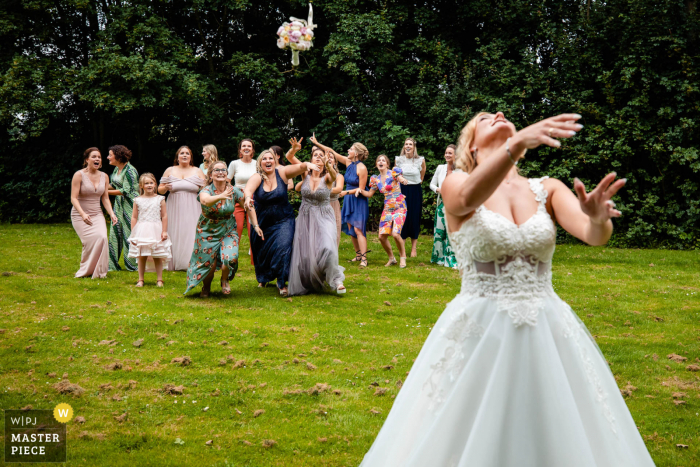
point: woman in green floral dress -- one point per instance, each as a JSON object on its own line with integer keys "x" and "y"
{"x": 216, "y": 241}
{"x": 442, "y": 252}
{"x": 124, "y": 186}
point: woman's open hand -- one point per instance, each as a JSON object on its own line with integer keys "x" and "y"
{"x": 597, "y": 204}
{"x": 228, "y": 193}
{"x": 545, "y": 132}
{"x": 296, "y": 145}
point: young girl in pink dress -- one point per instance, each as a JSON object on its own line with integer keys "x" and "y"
{"x": 394, "y": 213}
{"x": 149, "y": 229}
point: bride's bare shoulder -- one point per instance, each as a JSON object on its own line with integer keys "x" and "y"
{"x": 454, "y": 181}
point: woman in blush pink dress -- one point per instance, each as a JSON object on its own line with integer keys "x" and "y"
{"x": 88, "y": 188}
{"x": 183, "y": 181}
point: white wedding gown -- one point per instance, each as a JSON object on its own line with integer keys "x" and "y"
{"x": 509, "y": 376}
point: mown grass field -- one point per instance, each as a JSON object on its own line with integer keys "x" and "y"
{"x": 301, "y": 375}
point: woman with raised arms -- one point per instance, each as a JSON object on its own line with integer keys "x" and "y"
{"x": 509, "y": 376}
{"x": 355, "y": 208}
{"x": 315, "y": 251}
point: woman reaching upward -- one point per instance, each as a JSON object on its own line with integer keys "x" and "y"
{"x": 315, "y": 253}
{"x": 355, "y": 208}
{"x": 509, "y": 376}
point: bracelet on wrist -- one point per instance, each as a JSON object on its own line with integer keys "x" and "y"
{"x": 510, "y": 155}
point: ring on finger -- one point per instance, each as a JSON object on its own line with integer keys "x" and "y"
{"x": 611, "y": 203}
{"x": 550, "y": 132}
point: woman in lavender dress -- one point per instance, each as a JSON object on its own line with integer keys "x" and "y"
{"x": 355, "y": 208}
{"x": 315, "y": 252}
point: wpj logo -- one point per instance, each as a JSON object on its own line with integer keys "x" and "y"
{"x": 36, "y": 435}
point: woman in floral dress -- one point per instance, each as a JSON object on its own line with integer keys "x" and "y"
{"x": 394, "y": 213}
{"x": 216, "y": 241}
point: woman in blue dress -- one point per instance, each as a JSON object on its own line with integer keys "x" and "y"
{"x": 273, "y": 249}
{"x": 355, "y": 207}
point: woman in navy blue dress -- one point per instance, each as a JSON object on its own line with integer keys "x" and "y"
{"x": 355, "y": 206}
{"x": 273, "y": 250}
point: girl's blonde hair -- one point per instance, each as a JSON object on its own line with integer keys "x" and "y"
{"x": 415, "y": 147}
{"x": 210, "y": 171}
{"x": 142, "y": 178}
{"x": 361, "y": 151}
{"x": 258, "y": 165}
{"x": 464, "y": 159}
{"x": 213, "y": 155}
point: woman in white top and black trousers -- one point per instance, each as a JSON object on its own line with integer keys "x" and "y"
{"x": 443, "y": 254}
{"x": 239, "y": 171}
{"x": 413, "y": 167}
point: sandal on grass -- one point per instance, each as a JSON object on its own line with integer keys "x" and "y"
{"x": 391, "y": 262}
{"x": 363, "y": 262}
{"x": 358, "y": 257}
{"x": 403, "y": 262}
{"x": 160, "y": 283}
{"x": 226, "y": 289}
{"x": 140, "y": 282}
{"x": 340, "y": 289}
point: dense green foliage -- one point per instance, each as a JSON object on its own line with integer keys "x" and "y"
{"x": 640, "y": 306}
{"x": 154, "y": 75}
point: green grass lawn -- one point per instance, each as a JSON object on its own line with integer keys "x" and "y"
{"x": 304, "y": 372}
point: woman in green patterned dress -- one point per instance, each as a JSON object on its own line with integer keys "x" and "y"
{"x": 442, "y": 252}
{"x": 124, "y": 186}
{"x": 216, "y": 241}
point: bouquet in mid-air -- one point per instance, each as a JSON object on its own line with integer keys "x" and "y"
{"x": 297, "y": 34}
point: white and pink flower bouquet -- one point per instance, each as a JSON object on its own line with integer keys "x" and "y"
{"x": 297, "y": 34}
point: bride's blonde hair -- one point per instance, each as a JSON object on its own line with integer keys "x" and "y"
{"x": 464, "y": 159}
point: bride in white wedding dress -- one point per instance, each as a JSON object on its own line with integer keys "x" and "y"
{"x": 509, "y": 376}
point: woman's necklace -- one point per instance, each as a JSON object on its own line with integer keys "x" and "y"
{"x": 509, "y": 179}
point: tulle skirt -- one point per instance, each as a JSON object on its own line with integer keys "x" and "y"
{"x": 315, "y": 251}
{"x": 485, "y": 392}
{"x": 145, "y": 240}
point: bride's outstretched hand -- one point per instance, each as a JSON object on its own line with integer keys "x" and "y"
{"x": 547, "y": 130}
{"x": 313, "y": 139}
{"x": 597, "y": 204}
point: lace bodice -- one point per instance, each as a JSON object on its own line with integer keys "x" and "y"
{"x": 149, "y": 208}
{"x": 507, "y": 262}
{"x": 315, "y": 198}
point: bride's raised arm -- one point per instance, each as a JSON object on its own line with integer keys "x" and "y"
{"x": 463, "y": 194}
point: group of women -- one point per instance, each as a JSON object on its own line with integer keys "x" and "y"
{"x": 196, "y": 199}
{"x": 509, "y": 375}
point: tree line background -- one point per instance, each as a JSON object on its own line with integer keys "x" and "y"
{"x": 154, "y": 75}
